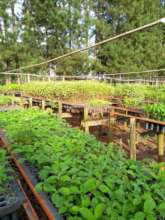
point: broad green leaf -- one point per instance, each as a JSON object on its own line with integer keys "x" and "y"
{"x": 39, "y": 187}
{"x": 149, "y": 205}
{"x": 89, "y": 185}
{"x": 98, "y": 211}
{"x": 87, "y": 213}
{"x": 103, "y": 188}
{"x": 162, "y": 206}
{"x": 139, "y": 216}
{"x": 151, "y": 217}
{"x": 74, "y": 209}
{"x": 57, "y": 200}
{"x": 73, "y": 189}
{"x": 65, "y": 191}
{"x": 85, "y": 201}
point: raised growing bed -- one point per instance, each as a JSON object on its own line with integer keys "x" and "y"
{"x": 85, "y": 179}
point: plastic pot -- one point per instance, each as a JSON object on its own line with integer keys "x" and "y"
{"x": 155, "y": 127}
{"x": 11, "y": 201}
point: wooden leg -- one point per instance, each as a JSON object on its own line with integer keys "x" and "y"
{"x": 112, "y": 121}
{"x": 60, "y": 109}
{"x": 30, "y": 102}
{"x": 160, "y": 139}
{"x": 132, "y": 139}
{"x": 43, "y": 104}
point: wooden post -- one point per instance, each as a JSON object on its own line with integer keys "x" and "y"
{"x": 132, "y": 138}
{"x": 85, "y": 113}
{"x": 86, "y": 128}
{"x": 30, "y": 102}
{"x": 21, "y": 102}
{"x": 125, "y": 121}
{"x": 18, "y": 79}
{"x": 86, "y": 119}
{"x": 13, "y": 99}
{"x": 112, "y": 121}
{"x": 160, "y": 140}
{"x": 43, "y": 104}
{"x": 60, "y": 109}
{"x": 138, "y": 124}
{"x": 28, "y": 78}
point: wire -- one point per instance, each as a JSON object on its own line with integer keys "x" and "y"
{"x": 91, "y": 46}
{"x": 144, "y": 71}
{"x": 81, "y": 76}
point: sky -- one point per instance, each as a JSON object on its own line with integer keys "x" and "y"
{"x": 18, "y": 7}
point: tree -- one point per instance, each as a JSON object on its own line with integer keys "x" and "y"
{"x": 139, "y": 51}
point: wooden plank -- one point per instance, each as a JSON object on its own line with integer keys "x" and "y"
{"x": 128, "y": 110}
{"x": 132, "y": 141}
{"x": 30, "y": 211}
{"x": 66, "y": 115}
{"x": 94, "y": 123}
{"x": 141, "y": 119}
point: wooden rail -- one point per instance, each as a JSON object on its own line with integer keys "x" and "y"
{"x": 111, "y": 78}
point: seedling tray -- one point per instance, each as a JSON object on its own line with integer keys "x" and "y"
{"x": 155, "y": 127}
{"x": 11, "y": 201}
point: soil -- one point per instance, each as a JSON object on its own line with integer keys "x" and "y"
{"x": 146, "y": 147}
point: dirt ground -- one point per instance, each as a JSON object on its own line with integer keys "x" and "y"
{"x": 146, "y": 146}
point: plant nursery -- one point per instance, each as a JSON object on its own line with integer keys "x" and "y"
{"x": 82, "y": 110}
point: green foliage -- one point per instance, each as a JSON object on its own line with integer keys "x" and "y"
{"x": 132, "y": 102}
{"x": 30, "y": 35}
{"x": 5, "y": 100}
{"x": 84, "y": 178}
{"x": 4, "y": 169}
{"x": 140, "y": 51}
{"x": 79, "y": 90}
{"x": 98, "y": 103}
{"x": 92, "y": 92}
{"x": 156, "y": 111}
